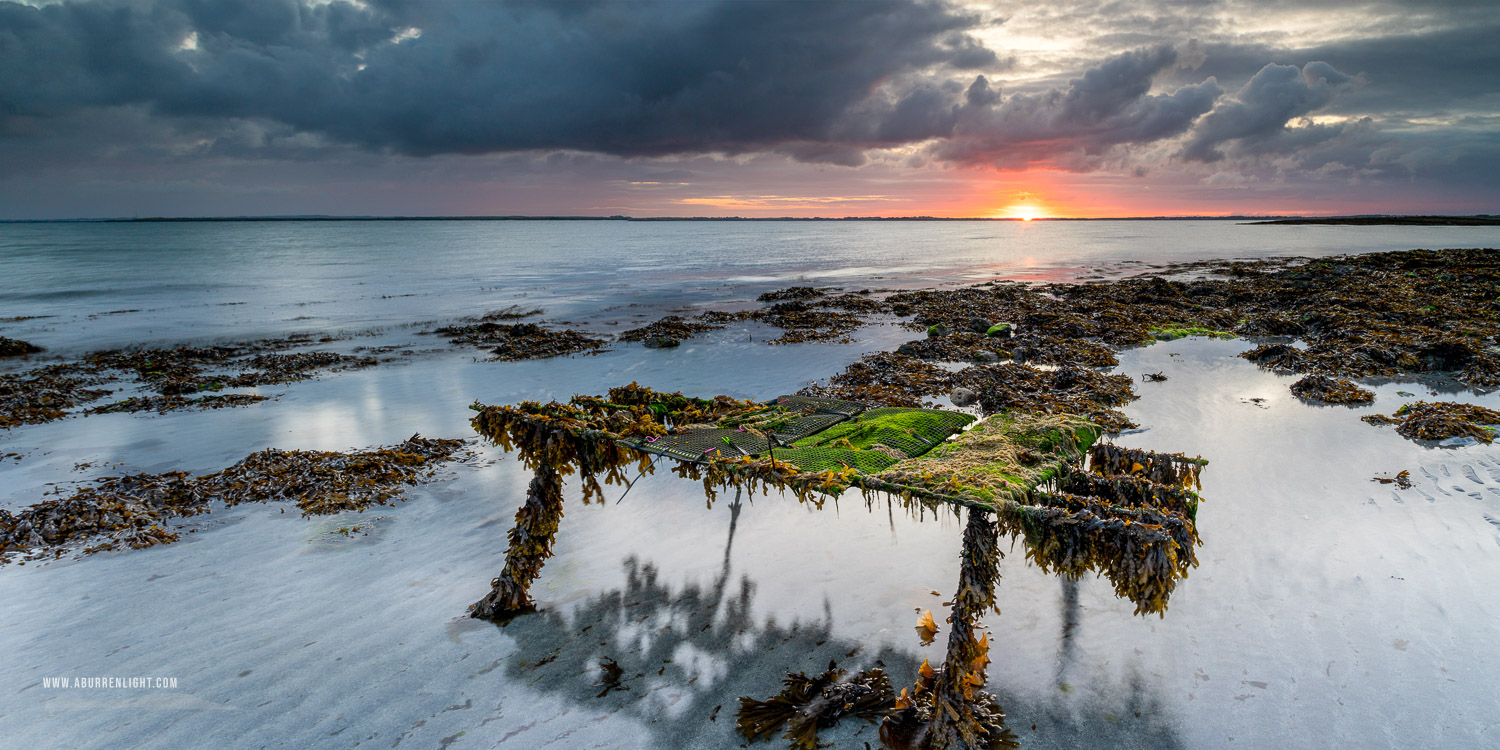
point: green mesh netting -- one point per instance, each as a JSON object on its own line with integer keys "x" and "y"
{"x": 797, "y": 428}
{"x": 703, "y": 443}
{"x": 815, "y": 459}
{"x": 911, "y": 431}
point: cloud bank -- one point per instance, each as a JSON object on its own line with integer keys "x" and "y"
{"x": 894, "y": 82}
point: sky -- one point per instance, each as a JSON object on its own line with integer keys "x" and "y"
{"x": 119, "y": 108}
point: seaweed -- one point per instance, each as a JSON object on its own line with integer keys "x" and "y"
{"x": 530, "y": 546}
{"x": 802, "y": 323}
{"x": 791, "y": 293}
{"x": 807, "y": 704}
{"x": 946, "y": 707}
{"x": 670, "y": 327}
{"x": 1440, "y": 420}
{"x": 1402, "y": 480}
{"x": 164, "y": 404}
{"x": 1067, "y": 390}
{"x": 887, "y": 379}
{"x": 962, "y": 346}
{"x": 1174, "y": 331}
{"x": 17, "y": 347}
{"x": 133, "y": 510}
{"x": 1005, "y": 456}
{"x": 1330, "y": 390}
{"x": 44, "y": 395}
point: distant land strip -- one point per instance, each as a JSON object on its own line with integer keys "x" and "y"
{"x": 1482, "y": 220}
{"x": 1465, "y": 221}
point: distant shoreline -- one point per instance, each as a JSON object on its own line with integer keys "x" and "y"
{"x": 1482, "y": 220}
{"x": 1475, "y": 220}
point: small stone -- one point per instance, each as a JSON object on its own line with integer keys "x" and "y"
{"x": 1001, "y": 330}
{"x": 937, "y": 330}
{"x": 963, "y": 397}
{"x": 907, "y": 349}
{"x": 986, "y": 356}
{"x": 979, "y": 325}
{"x": 661, "y": 342}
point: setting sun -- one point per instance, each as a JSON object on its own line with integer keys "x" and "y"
{"x": 1023, "y": 211}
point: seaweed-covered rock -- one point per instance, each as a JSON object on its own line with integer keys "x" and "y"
{"x": 531, "y": 341}
{"x": 17, "y": 347}
{"x": 661, "y": 342}
{"x": 793, "y": 293}
{"x": 670, "y": 327}
{"x": 1330, "y": 390}
{"x": 1441, "y": 420}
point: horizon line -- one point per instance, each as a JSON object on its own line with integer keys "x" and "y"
{"x": 622, "y": 217}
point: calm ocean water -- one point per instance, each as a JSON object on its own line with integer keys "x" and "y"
{"x": 193, "y": 281}
{"x": 1328, "y": 611}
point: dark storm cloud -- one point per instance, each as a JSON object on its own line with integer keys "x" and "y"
{"x": 1409, "y": 89}
{"x": 1108, "y": 105}
{"x": 819, "y": 82}
{"x": 1261, "y": 109}
{"x": 425, "y": 78}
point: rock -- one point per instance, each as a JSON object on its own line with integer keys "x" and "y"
{"x": 979, "y": 325}
{"x": 661, "y": 342}
{"x": 1001, "y": 330}
{"x": 907, "y": 349}
{"x": 937, "y": 330}
{"x": 986, "y": 356}
{"x": 963, "y": 397}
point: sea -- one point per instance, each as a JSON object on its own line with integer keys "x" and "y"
{"x": 1328, "y": 610}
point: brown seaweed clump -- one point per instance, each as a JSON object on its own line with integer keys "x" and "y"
{"x": 795, "y": 293}
{"x": 803, "y": 323}
{"x": 275, "y": 369}
{"x": 17, "y": 347}
{"x": 530, "y": 341}
{"x": 807, "y": 704}
{"x": 1066, "y": 390}
{"x": 133, "y": 510}
{"x": 181, "y": 376}
{"x": 670, "y": 327}
{"x": 175, "y": 402}
{"x": 44, "y": 395}
{"x": 522, "y": 340}
{"x": 960, "y": 346}
{"x": 1331, "y": 390}
{"x": 1440, "y": 420}
{"x": 885, "y": 379}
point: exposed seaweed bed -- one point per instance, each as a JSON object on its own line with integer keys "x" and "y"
{"x": 134, "y": 511}
{"x": 183, "y": 377}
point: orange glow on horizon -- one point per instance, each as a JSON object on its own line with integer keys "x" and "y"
{"x": 1024, "y": 212}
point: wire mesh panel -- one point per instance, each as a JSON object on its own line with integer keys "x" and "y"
{"x": 822, "y": 405}
{"x": 835, "y": 459}
{"x": 705, "y": 443}
{"x": 801, "y": 427}
{"x": 913, "y": 432}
